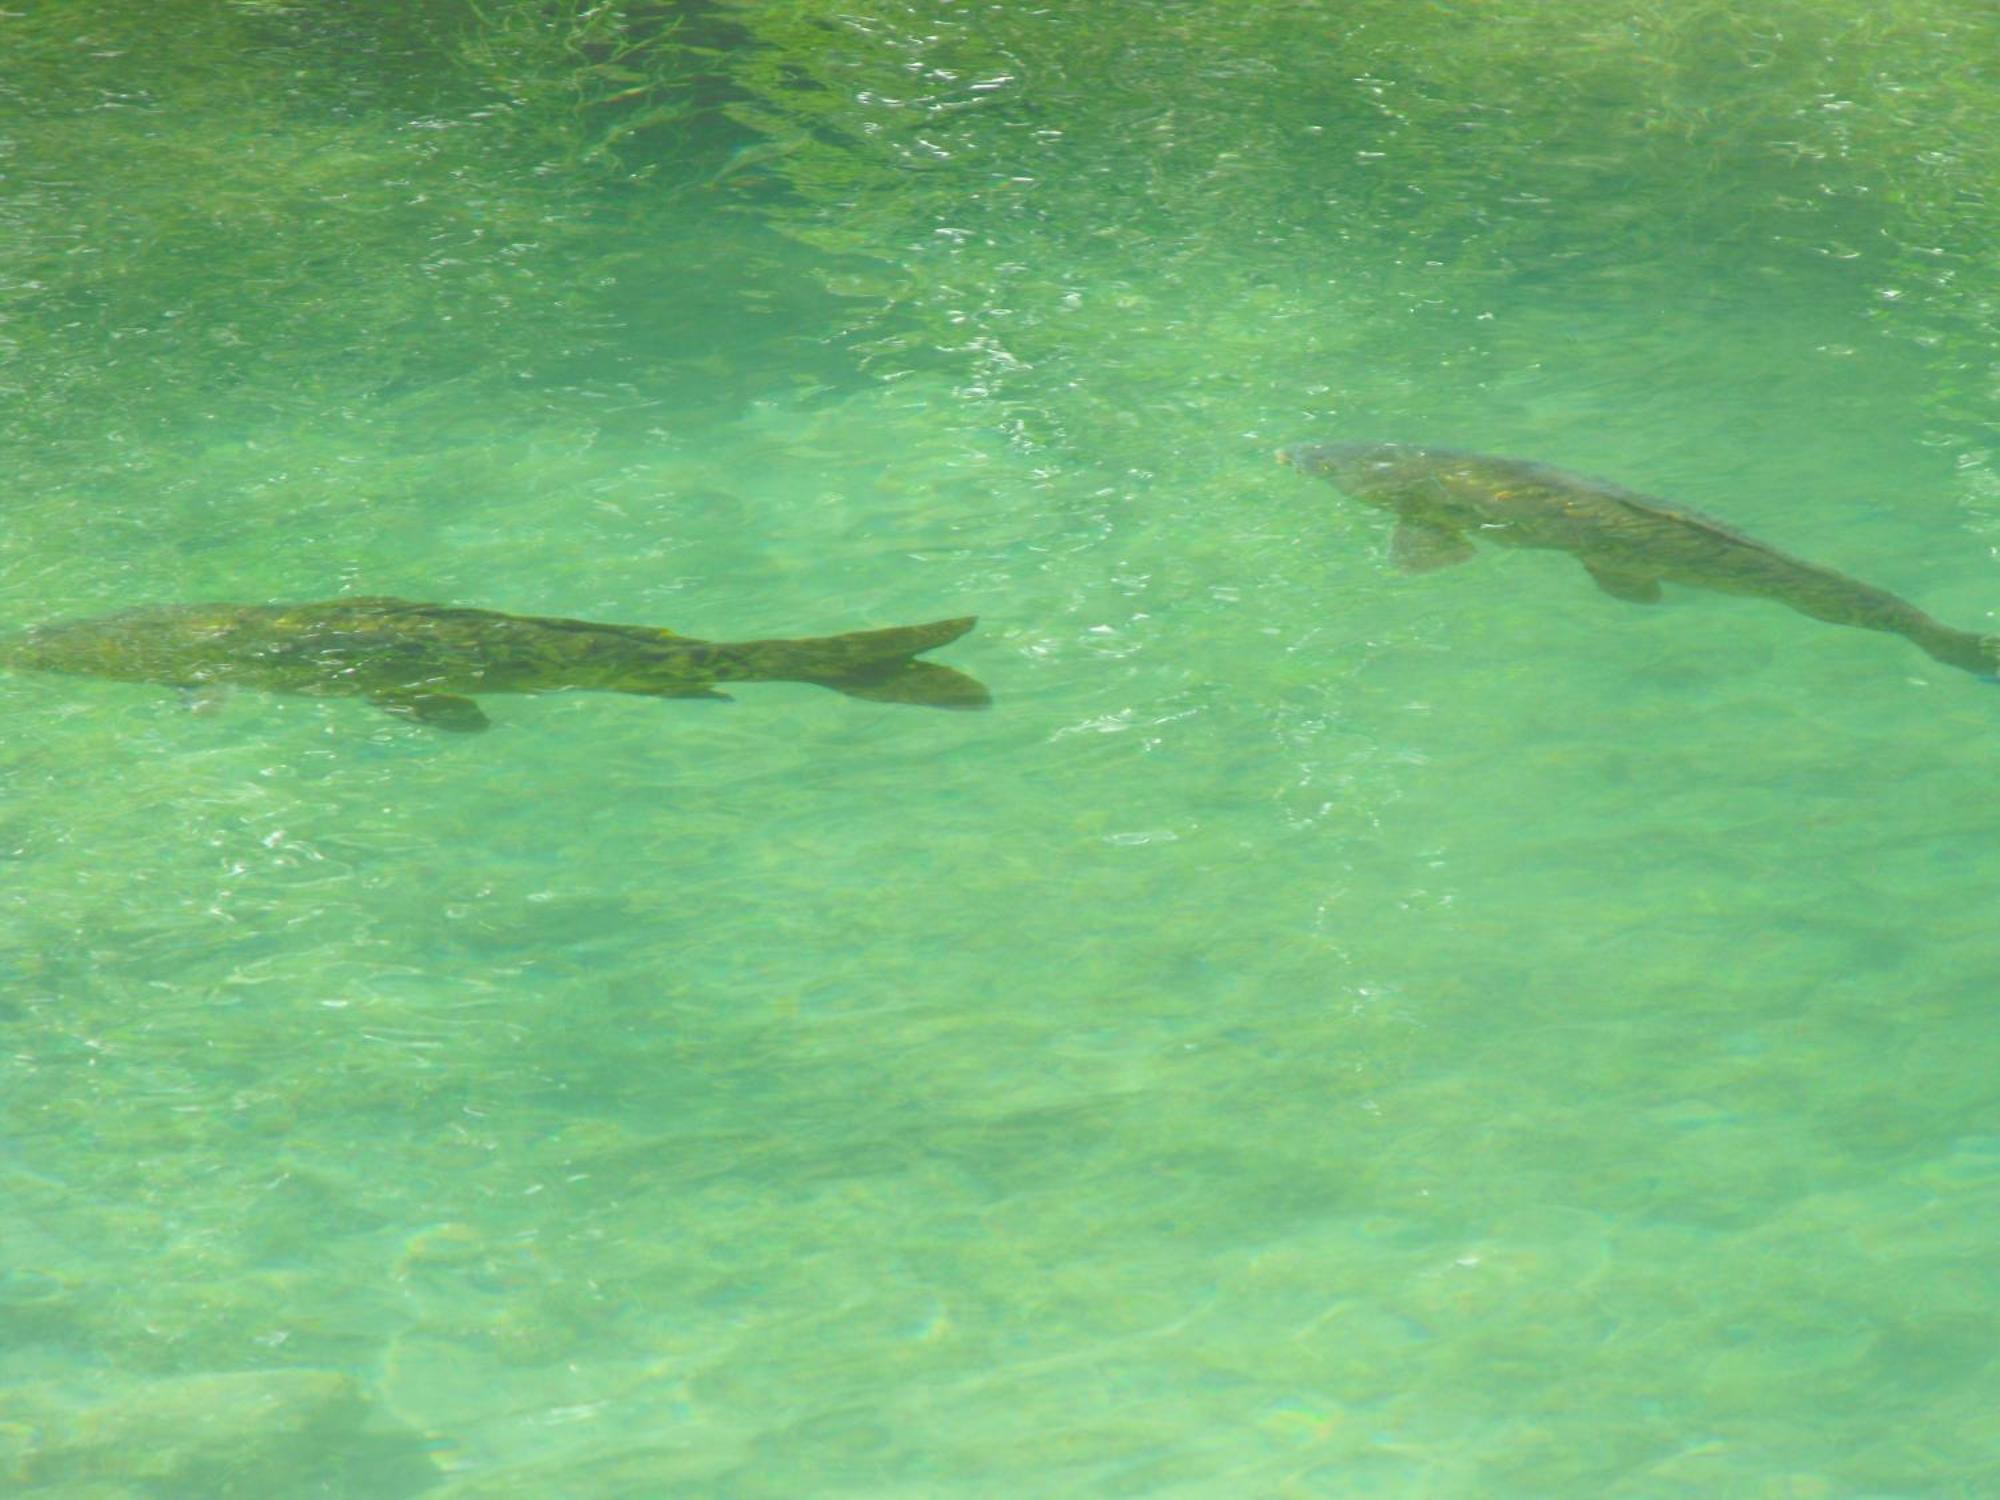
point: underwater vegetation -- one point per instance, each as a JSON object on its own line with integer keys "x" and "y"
{"x": 1057, "y": 205}
{"x": 212, "y": 209}
{"x": 1035, "y": 201}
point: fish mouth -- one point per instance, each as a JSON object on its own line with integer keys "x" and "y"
{"x": 1325, "y": 458}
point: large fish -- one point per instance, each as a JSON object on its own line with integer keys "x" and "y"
{"x": 424, "y": 661}
{"x": 1629, "y": 543}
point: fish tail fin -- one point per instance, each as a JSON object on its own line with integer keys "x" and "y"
{"x": 1988, "y": 669}
{"x": 1977, "y": 654}
{"x": 880, "y": 665}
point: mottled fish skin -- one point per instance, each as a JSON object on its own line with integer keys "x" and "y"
{"x": 1629, "y": 543}
{"x": 425, "y": 661}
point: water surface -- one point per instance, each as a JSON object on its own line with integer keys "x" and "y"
{"x": 1323, "y": 1033}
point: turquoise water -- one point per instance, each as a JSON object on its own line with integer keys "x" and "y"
{"x": 1322, "y": 1033}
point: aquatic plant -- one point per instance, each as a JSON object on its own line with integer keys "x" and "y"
{"x": 590, "y": 85}
{"x": 237, "y": 219}
{"x": 1160, "y": 190}
{"x": 244, "y": 217}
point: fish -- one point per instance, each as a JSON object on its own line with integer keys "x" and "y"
{"x": 755, "y": 154}
{"x": 424, "y": 662}
{"x": 1628, "y": 543}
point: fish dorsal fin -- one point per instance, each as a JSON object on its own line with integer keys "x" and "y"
{"x": 1624, "y": 583}
{"x": 1653, "y": 506}
{"x": 1420, "y": 548}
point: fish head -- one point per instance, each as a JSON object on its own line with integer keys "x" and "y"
{"x": 1367, "y": 471}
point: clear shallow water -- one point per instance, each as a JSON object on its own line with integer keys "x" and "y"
{"x": 1322, "y": 1033}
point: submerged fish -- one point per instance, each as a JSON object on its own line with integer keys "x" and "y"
{"x": 755, "y": 154}
{"x": 1629, "y": 543}
{"x": 422, "y": 661}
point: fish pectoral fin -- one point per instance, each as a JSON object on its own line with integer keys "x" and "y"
{"x": 1624, "y": 583}
{"x": 1420, "y": 548}
{"x": 438, "y": 710}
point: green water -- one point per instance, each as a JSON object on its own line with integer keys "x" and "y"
{"x": 1322, "y": 1033}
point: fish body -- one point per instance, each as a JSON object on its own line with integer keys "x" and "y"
{"x": 426, "y": 661}
{"x": 1629, "y": 543}
{"x": 754, "y": 154}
